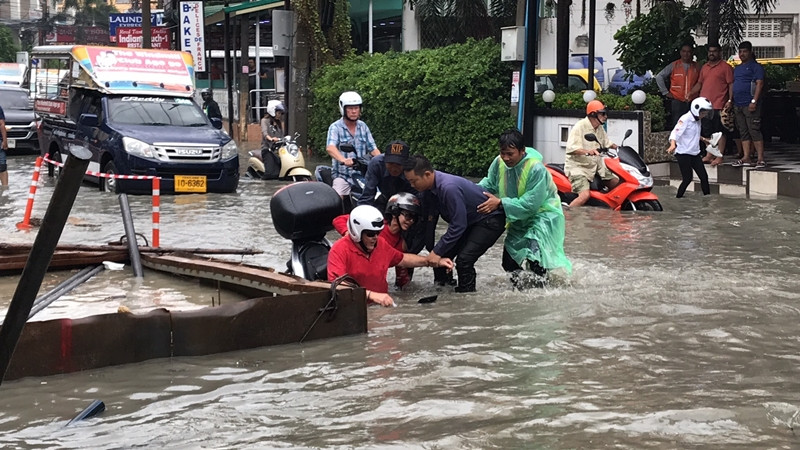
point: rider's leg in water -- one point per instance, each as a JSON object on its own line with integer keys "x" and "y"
{"x": 580, "y": 185}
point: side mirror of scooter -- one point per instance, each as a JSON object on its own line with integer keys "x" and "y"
{"x": 590, "y": 137}
{"x": 628, "y": 134}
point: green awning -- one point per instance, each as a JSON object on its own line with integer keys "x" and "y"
{"x": 216, "y": 13}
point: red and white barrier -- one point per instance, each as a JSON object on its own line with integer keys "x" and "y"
{"x": 156, "y": 196}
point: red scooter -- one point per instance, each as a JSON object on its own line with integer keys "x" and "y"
{"x": 633, "y": 193}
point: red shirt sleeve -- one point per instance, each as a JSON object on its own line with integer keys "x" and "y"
{"x": 396, "y": 257}
{"x": 337, "y": 261}
{"x": 340, "y": 224}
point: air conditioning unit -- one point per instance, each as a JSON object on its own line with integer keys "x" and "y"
{"x": 582, "y": 41}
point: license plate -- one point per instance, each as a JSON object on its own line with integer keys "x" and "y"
{"x": 190, "y": 183}
{"x": 12, "y": 143}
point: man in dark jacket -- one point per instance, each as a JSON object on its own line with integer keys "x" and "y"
{"x": 210, "y": 106}
{"x": 469, "y": 233}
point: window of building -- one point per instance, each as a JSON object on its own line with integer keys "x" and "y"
{"x": 769, "y": 52}
{"x": 767, "y": 27}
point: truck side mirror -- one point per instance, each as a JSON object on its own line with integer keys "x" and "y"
{"x": 216, "y": 122}
{"x": 88, "y": 120}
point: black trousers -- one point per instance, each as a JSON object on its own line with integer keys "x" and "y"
{"x": 687, "y": 164}
{"x": 520, "y": 281}
{"x": 477, "y": 239}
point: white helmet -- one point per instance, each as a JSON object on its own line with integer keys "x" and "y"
{"x": 349, "y": 98}
{"x": 273, "y": 106}
{"x": 700, "y": 104}
{"x": 362, "y": 218}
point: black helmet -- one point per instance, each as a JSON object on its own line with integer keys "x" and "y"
{"x": 402, "y": 201}
{"x": 205, "y": 93}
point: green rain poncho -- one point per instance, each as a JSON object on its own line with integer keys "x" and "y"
{"x": 533, "y": 211}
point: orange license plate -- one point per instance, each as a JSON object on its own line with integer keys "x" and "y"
{"x": 190, "y": 183}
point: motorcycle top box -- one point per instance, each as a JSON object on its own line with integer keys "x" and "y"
{"x": 304, "y": 210}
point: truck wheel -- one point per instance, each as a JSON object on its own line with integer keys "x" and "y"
{"x": 109, "y": 184}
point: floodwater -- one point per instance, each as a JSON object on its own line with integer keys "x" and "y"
{"x": 677, "y": 329}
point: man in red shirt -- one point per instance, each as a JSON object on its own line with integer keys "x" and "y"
{"x": 716, "y": 84}
{"x": 402, "y": 211}
{"x": 366, "y": 258}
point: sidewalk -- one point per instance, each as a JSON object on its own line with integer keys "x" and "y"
{"x": 780, "y": 177}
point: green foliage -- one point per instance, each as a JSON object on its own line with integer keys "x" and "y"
{"x": 8, "y": 51}
{"x": 653, "y": 40}
{"x": 574, "y": 100}
{"x": 329, "y": 46}
{"x": 449, "y": 104}
{"x": 776, "y": 75}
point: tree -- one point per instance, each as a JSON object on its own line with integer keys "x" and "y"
{"x": 726, "y": 19}
{"x": 445, "y": 22}
{"x": 8, "y": 51}
{"x": 652, "y": 40}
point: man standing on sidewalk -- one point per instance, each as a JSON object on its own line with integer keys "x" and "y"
{"x": 682, "y": 76}
{"x": 716, "y": 84}
{"x": 748, "y": 84}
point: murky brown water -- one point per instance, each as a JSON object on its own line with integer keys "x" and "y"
{"x": 678, "y": 329}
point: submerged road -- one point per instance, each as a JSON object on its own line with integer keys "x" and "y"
{"x": 676, "y": 329}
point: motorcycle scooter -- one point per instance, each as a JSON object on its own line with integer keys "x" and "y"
{"x": 303, "y": 213}
{"x": 357, "y": 181}
{"x": 284, "y": 161}
{"x": 633, "y": 193}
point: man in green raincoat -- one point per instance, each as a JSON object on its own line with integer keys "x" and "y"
{"x": 519, "y": 183}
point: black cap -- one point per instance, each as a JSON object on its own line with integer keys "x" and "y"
{"x": 396, "y": 152}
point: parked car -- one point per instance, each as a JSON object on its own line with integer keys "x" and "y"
{"x": 577, "y": 80}
{"x": 21, "y": 121}
{"x": 627, "y": 83}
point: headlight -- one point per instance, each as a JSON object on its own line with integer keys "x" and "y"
{"x": 229, "y": 150}
{"x": 138, "y": 148}
{"x": 292, "y": 149}
{"x": 644, "y": 181}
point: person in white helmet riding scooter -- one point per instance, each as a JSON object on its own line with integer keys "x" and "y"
{"x": 354, "y": 132}
{"x": 685, "y": 140}
{"x": 272, "y": 123}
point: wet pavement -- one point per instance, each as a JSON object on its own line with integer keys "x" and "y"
{"x": 677, "y": 329}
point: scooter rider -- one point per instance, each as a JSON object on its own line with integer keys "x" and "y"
{"x": 271, "y": 131}
{"x": 583, "y": 159}
{"x": 366, "y": 258}
{"x": 272, "y": 123}
{"x": 210, "y": 106}
{"x": 348, "y": 130}
{"x": 402, "y": 213}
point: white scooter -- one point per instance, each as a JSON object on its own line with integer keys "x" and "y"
{"x": 283, "y": 160}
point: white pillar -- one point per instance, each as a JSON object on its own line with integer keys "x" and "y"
{"x": 370, "y": 26}
{"x": 410, "y": 34}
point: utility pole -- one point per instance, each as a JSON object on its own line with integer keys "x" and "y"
{"x": 146, "y": 33}
{"x": 43, "y": 26}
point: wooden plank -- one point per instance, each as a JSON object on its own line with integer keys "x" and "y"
{"x": 266, "y": 280}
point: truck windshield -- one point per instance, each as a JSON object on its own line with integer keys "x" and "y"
{"x": 156, "y": 111}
